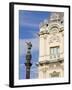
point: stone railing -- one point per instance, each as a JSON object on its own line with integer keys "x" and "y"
{"x": 52, "y": 57}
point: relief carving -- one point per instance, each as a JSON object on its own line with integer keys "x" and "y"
{"x": 54, "y": 38}
{"x": 54, "y": 74}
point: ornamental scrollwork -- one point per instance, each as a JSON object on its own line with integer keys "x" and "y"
{"x": 54, "y": 38}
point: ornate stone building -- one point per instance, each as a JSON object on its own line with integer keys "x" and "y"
{"x": 51, "y": 47}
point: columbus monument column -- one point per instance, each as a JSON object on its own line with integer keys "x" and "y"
{"x": 28, "y": 63}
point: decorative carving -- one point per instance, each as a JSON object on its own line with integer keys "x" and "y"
{"x": 53, "y": 28}
{"x": 54, "y": 74}
{"x": 54, "y": 38}
{"x": 61, "y": 29}
{"x": 44, "y": 69}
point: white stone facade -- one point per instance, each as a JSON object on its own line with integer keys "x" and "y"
{"x": 51, "y": 47}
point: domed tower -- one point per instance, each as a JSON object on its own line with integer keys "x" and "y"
{"x": 51, "y": 47}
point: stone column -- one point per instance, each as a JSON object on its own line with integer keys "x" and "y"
{"x": 28, "y": 63}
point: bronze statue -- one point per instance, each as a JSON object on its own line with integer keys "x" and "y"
{"x": 29, "y": 45}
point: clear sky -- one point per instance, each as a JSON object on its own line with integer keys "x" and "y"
{"x": 28, "y": 28}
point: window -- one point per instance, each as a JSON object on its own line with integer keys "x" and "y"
{"x": 54, "y": 52}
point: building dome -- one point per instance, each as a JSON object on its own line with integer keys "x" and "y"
{"x": 54, "y": 17}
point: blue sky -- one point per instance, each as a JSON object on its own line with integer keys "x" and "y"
{"x": 28, "y": 28}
